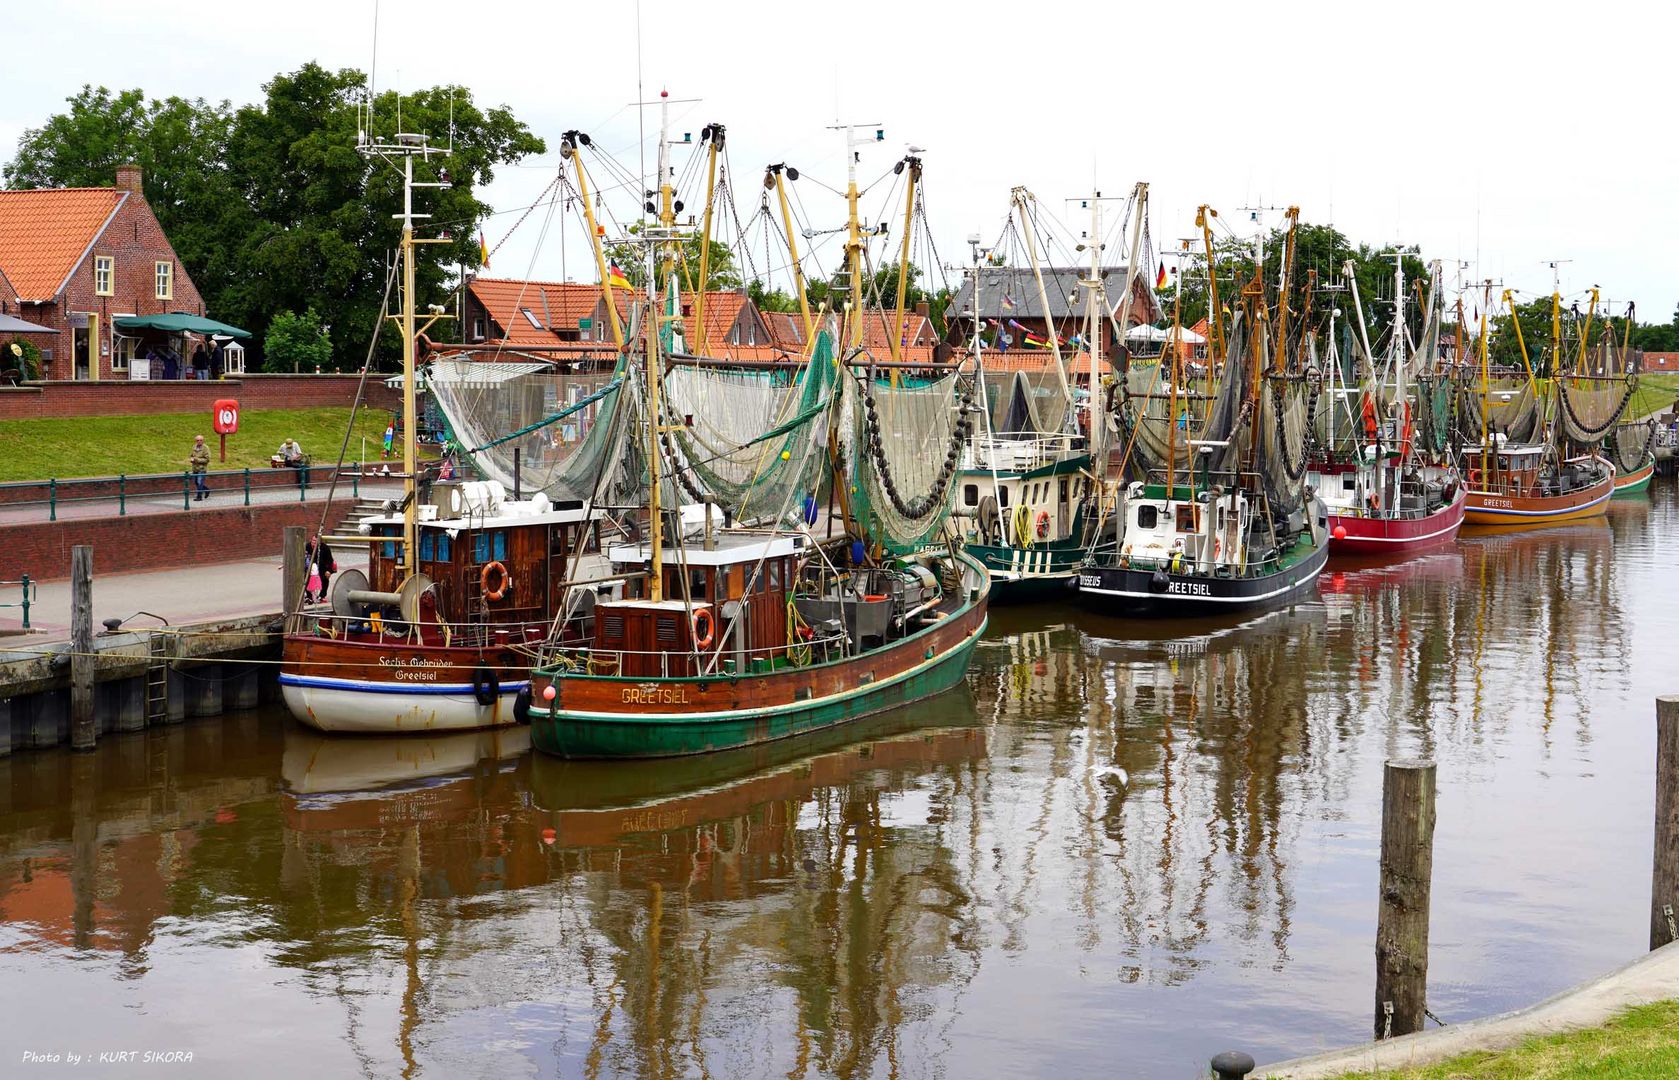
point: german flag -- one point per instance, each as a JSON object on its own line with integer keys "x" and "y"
{"x": 615, "y": 277}
{"x": 1160, "y": 278}
{"x": 483, "y": 251}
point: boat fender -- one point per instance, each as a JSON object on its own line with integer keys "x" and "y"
{"x": 704, "y": 638}
{"x": 1158, "y": 581}
{"x": 503, "y": 579}
{"x": 522, "y": 706}
{"x": 486, "y": 688}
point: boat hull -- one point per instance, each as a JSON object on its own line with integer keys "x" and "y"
{"x": 1024, "y": 575}
{"x": 1638, "y": 481}
{"x": 1151, "y": 594}
{"x": 595, "y": 716}
{"x": 1351, "y": 534}
{"x": 379, "y": 688}
{"x": 1493, "y": 509}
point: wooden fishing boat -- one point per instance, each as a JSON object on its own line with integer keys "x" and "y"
{"x": 771, "y": 641}
{"x": 1518, "y": 488}
{"x": 1027, "y": 515}
{"x": 1636, "y": 482}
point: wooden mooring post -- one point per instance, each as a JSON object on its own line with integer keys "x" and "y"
{"x": 1402, "y": 916}
{"x": 1664, "y": 878}
{"x": 295, "y": 572}
{"x": 84, "y": 726}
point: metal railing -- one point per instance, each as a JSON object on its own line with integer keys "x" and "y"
{"x": 156, "y": 488}
{"x": 999, "y": 452}
{"x": 716, "y": 661}
{"x": 30, "y": 590}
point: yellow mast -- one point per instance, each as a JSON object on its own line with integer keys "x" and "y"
{"x": 792, "y": 247}
{"x": 1215, "y": 327}
{"x": 1293, "y": 216}
{"x": 712, "y": 133}
{"x": 569, "y": 142}
{"x": 1580, "y": 364}
{"x": 896, "y": 333}
{"x": 1486, "y": 388}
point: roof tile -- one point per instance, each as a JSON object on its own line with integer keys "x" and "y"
{"x": 44, "y": 232}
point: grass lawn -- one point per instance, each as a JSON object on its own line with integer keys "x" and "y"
{"x": 1641, "y": 1044}
{"x": 109, "y": 445}
{"x": 1656, "y": 391}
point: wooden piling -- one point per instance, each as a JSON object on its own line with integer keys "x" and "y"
{"x": 296, "y": 574}
{"x": 1402, "y": 916}
{"x": 1664, "y": 879}
{"x": 84, "y": 728}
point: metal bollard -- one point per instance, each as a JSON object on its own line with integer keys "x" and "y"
{"x": 122, "y": 494}
{"x": 247, "y": 485}
{"x": 1232, "y": 1065}
{"x": 26, "y": 584}
{"x": 52, "y": 500}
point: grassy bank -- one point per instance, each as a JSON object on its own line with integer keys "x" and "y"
{"x": 1641, "y": 1044}
{"x": 109, "y": 445}
{"x": 1655, "y": 391}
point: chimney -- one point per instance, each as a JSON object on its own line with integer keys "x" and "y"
{"x": 922, "y": 310}
{"x": 128, "y": 179}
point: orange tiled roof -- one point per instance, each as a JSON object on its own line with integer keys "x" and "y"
{"x": 45, "y": 232}
{"x": 556, "y": 305}
{"x": 787, "y": 329}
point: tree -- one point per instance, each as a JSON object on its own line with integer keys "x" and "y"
{"x": 296, "y": 343}
{"x": 270, "y": 206}
{"x": 720, "y": 275}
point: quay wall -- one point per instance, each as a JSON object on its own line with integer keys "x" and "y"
{"x": 226, "y": 485}
{"x": 157, "y": 541}
{"x": 45, "y": 400}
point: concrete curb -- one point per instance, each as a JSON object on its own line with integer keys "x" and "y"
{"x": 1653, "y": 977}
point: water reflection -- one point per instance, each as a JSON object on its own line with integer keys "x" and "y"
{"x": 1124, "y": 846}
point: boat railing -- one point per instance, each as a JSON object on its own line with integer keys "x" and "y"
{"x": 1001, "y": 452}
{"x": 325, "y": 624}
{"x": 1414, "y": 491}
{"x": 717, "y": 660}
{"x": 1185, "y": 566}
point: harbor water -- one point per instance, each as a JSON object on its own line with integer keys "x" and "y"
{"x": 1119, "y": 849}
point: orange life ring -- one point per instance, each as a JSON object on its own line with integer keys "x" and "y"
{"x": 502, "y": 577}
{"x": 703, "y": 639}
{"x": 1043, "y": 524}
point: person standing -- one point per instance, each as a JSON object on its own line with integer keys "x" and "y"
{"x": 390, "y": 438}
{"x": 218, "y": 359}
{"x": 200, "y": 463}
{"x": 201, "y": 362}
{"x": 317, "y": 556}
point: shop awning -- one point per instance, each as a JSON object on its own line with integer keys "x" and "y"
{"x": 179, "y": 324}
{"x": 11, "y": 324}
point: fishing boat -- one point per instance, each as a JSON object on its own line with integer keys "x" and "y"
{"x": 758, "y": 629}
{"x": 1029, "y": 477}
{"x": 463, "y": 583}
{"x": 1384, "y": 493}
{"x": 1237, "y": 529}
{"x": 1559, "y": 476}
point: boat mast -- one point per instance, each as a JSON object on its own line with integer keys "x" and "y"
{"x": 894, "y": 337}
{"x": 569, "y": 142}
{"x": 1096, "y": 322}
{"x": 793, "y": 246}
{"x": 1486, "y": 392}
{"x": 408, "y": 146}
{"x": 713, "y": 135}
{"x": 1215, "y": 327}
{"x": 1019, "y": 196}
{"x": 854, "y": 231}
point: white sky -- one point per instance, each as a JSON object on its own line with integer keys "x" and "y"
{"x": 1523, "y": 133}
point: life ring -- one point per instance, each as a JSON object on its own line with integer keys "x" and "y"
{"x": 1374, "y": 500}
{"x": 1043, "y": 525}
{"x": 704, "y": 638}
{"x": 522, "y": 706}
{"x": 502, "y": 578}
{"x": 486, "y": 688}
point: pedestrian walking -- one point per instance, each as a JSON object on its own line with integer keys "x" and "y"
{"x": 218, "y": 359}
{"x": 200, "y": 463}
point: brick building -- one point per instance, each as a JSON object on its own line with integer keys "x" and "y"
{"x": 75, "y": 259}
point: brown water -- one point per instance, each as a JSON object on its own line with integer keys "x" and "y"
{"x": 958, "y": 891}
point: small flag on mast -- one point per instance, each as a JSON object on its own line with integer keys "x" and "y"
{"x": 483, "y": 251}
{"x": 615, "y": 277}
{"x": 1160, "y": 278}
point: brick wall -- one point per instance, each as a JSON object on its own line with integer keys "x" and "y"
{"x": 155, "y": 541}
{"x": 57, "y": 399}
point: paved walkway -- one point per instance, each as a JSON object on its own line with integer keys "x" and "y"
{"x": 1652, "y": 977}
{"x": 182, "y": 595}
{"x": 224, "y": 492}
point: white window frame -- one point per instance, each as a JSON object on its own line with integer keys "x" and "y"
{"x": 163, "y": 279}
{"x": 123, "y": 347}
{"x": 104, "y": 270}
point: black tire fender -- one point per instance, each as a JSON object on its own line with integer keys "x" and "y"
{"x": 486, "y": 688}
{"x": 522, "y": 706}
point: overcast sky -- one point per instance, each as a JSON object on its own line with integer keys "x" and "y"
{"x": 1505, "y": 135}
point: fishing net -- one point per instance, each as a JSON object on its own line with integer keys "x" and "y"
{"x": 905, "y": 442}
{"x": 755, "y": 440}
{"x": 1025, "y": 405}
{"x": 1161, "y": 429}
{"x": 1284, "y": 424}
{"x": 1590, "y": 409}
{"x": 566, "y": 428}
{"x": 1631, "y": 445}
{"x": 1510, "y": 408}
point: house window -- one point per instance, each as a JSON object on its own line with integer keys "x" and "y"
{"x": 165, "y": 280}
{"x": 104, "y": 275}
{"x": 478, "y": 329}
{"x": 530, "y": 317}
{"x": 123, "y": 349}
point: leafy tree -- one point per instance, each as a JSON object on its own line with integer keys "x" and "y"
{"x": 768, "y": 299}
{"x": 296, "y": 343}
{"x": 270, "y": 206}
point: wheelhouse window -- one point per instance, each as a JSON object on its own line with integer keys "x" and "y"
{"x": 970, "y": 494}
{"x": 104, "y": 275}
{"x": 1148, "y": 516}
{"x": 165, "y": 276}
